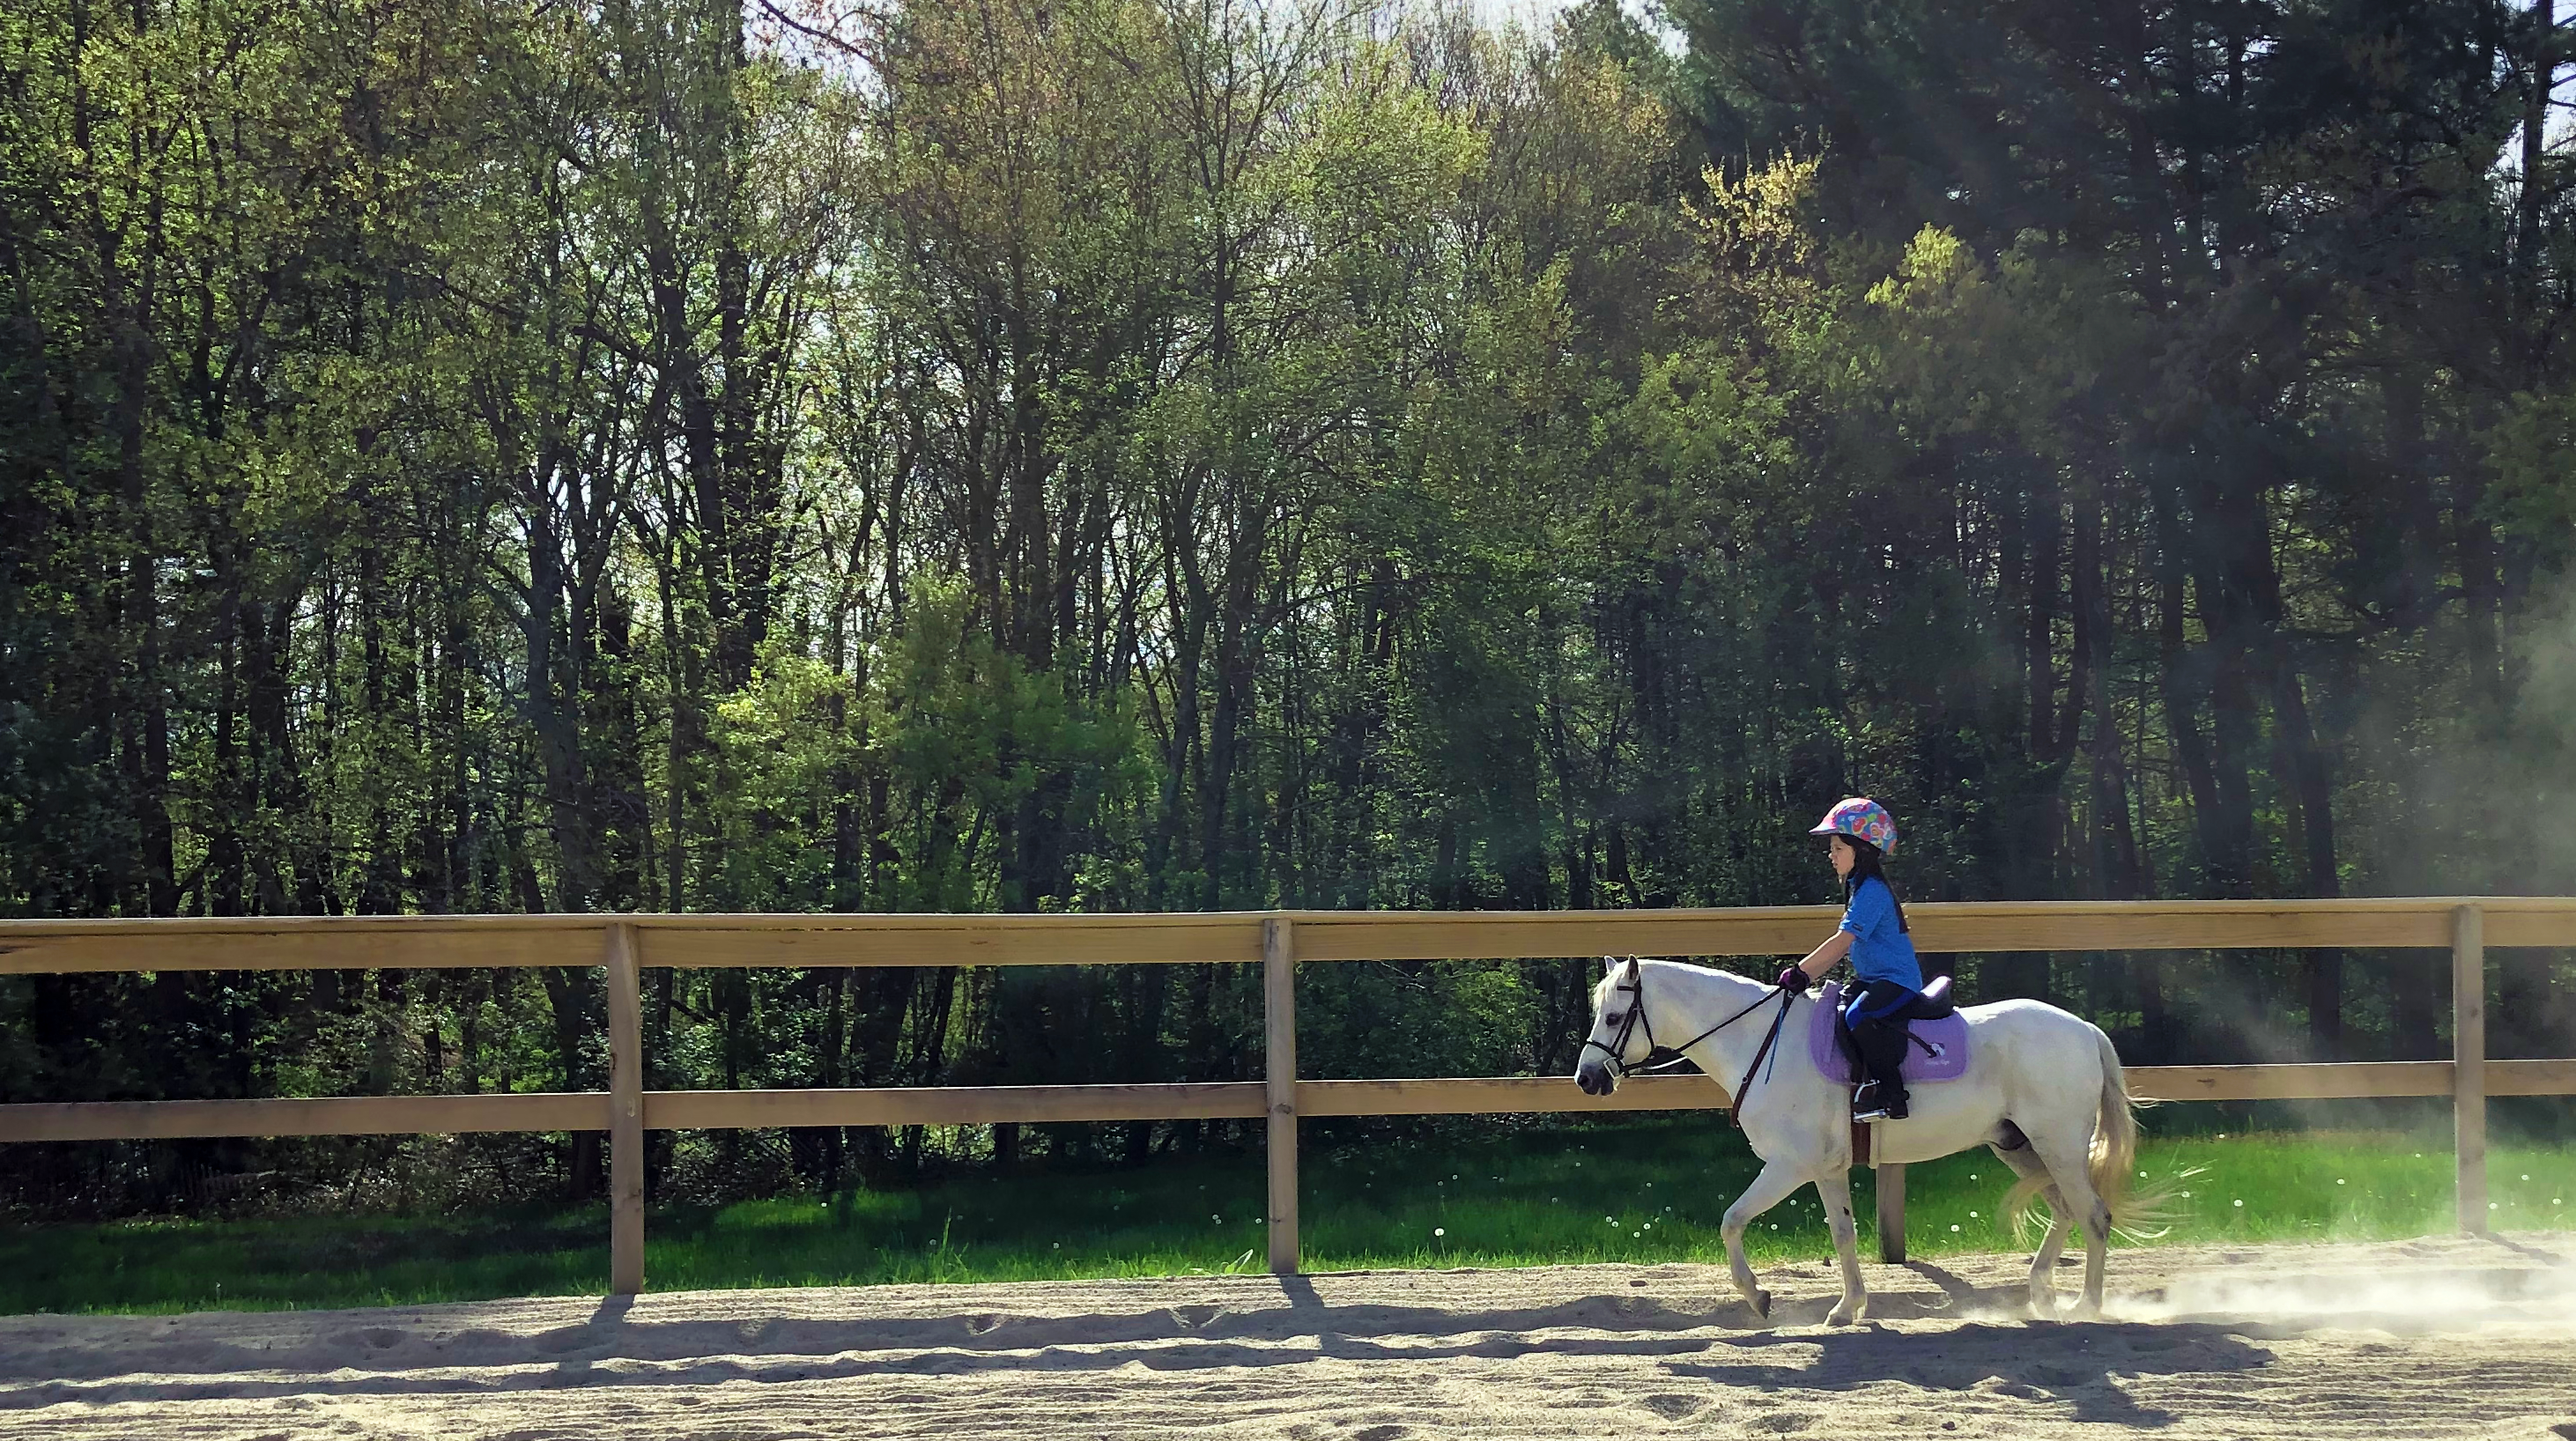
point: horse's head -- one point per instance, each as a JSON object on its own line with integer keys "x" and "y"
{"x": 1619, "y": 1039}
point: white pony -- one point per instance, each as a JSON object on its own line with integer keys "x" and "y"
{"x": 2044, "y": 1089}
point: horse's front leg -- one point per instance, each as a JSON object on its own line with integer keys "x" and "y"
{"x": 1834, "y": 1189}
{"x": 1769, "y": 1189}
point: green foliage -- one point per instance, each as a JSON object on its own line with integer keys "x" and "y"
{"x": 2534, "y": 450}
{"x": 1114, "y": 455}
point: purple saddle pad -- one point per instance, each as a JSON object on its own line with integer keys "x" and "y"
{"x": 1948, "y": 1036}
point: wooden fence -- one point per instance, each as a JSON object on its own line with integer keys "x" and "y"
{"x": 1279, "y": 942}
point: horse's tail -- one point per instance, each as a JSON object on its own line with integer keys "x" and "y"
{"x": 2113, "y": 1162}
{"x": 2138, "y": 1211}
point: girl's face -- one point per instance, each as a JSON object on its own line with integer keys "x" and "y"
{"x": 1841, "y": 851}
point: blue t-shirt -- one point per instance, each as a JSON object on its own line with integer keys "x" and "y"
{"x": 1880, "y": 952}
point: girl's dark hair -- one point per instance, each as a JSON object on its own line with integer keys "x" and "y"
{"x": 1865, "y": 866}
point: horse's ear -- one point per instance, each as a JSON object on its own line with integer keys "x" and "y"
{"x": 1610, "y": 965}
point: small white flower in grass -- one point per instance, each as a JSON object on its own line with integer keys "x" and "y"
{"x": 2526, "y": 1178}
{"x": 1439, "y": 1230}
{"x": 2186, "y": 1195}
{"x": 1954, "y": 1228}
{"x": 2240, "y": 1205}
{"x": 1972, "y": 1175}
{"x": 2491, "y": 1205}
{"x": 2338, "y": 1180}
{"x": 1972, "y": 1215}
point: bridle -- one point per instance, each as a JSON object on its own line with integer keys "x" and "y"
{"x": 1633, "y": 984}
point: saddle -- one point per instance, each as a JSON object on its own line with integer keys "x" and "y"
{"x": 1932, "y": 1002}
{"x": 1937, "y": 1047}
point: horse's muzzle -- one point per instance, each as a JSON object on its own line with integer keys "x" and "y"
{"x": 1595, "y": 1078}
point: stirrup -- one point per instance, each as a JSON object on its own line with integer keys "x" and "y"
{"x": 1864, "y": 1102}
{"x": 1867, "y": 1105}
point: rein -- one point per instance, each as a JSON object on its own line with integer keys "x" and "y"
{"x": 1635, "y": 984}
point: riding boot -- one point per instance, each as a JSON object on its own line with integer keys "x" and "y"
{"x": 1882, "y": 1052}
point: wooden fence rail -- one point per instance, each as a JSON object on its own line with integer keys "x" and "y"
{"x": 1279, "y": 941}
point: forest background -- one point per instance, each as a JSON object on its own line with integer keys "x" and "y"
{"x": 1015, "y": 455}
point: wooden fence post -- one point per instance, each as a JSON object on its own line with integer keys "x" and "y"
{"x": 1891, "y": 1209}
{"x": 2469, "y": 1063}
{"x": 625, "y": 1115}
{"x": 1279, "y": 1076}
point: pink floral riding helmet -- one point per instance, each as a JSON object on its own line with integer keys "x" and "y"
{"x": 1862, "y": 817}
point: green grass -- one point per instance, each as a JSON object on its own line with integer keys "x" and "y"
{"x": 1578, "y": 1194}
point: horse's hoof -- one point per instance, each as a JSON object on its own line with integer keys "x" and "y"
{"x": 1842, "y": 1316}
{"x": 1761, "y": 1304}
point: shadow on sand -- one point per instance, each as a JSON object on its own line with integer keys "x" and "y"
{"x": 1708, "y": 1340}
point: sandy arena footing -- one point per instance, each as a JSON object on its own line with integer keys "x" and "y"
{"x": 2429, "y": 1338}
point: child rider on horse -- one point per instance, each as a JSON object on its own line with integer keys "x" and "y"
{"x": 1873, "y": 934}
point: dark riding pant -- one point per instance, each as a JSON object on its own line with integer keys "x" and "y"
{"x": 1876, "y": 1021}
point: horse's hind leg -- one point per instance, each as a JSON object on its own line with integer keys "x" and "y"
{"x": 2073, "y": 1201}
{"x": 1834, "y": 1189}
{"x": 1769, "y": 1189}
{"x": 2027, "y": 1164}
